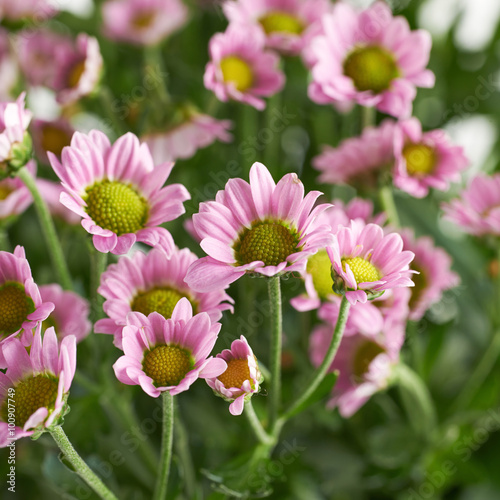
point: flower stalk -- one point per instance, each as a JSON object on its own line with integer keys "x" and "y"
{"x": 274, "y": 290}
{"x": 166, "y": 447}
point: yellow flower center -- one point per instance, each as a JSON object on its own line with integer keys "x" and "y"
{"x": 365, "y": 354}
{"x": 319, "y": 266}
{"x": 236, "y": 373}
{"x": 160, "y": 300}
{"x": 420, "y": 159}
{"x": 281, "y": 22}
{"x": 371, "y": 68}
{"x": 54, "y": 139}
{"x": 75, "y": 73}
{"x": 31, "y": 394}
{"x": 364, "y": 271}
{"x": 269, "y": 242}
{"x": 5, "y": 191}
{"x": 237, "y": 71}
{"x": 15, "y": 306}
{"x": 167, "y": 365}
{"x": 143, "y": 20}
{"x": 117, "y": 207}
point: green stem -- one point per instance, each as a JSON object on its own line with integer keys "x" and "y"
{"x": 106, "y": 99}
{"x": 166, "y": 447}
{"x": 254, "y": 421}
{"x": 154, "y": 64}
{"x": 276, "y": 345}
{"x": 4, "y": 240}
{"x": 368, "y": 117}
{"x": 272, "y": 149}
{"x": 182, "y": 450}
{"x": 98, "y": 264}
{"x": 81, "y": 468}
{"x": 322, "y": 370}
{"x": 48, "y": 229}
{"x": 388, "y": 205}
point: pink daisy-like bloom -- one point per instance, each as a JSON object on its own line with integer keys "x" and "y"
{"x": 117, "y": 191}
{"x": 288, "y": 24}
{"x": 425, "y": 160}
{"x": 168, "y": 354}
{"x": 241, "y": 379}
{"x": 37, "y": 10}
{"x": 8, "y": 67}
{"x": 259, "y": 227}
{"x": 51, "y": 192}
{"x": 370, "y": 57}
{"x": 39, "y": 382}
{"x": 152, "y": 283}
{"x": 358, "y": 159}
{"x": 78, "y": 69}
{"x": 143, "y": 22}
{"x": 51, "y": 136}
{"x": 436, "y": 276}
{"x": 240, "y": 69}
{"x": 182, "y": 141}
{"x": 477, "y": 211}
{"x": 15, "y": 197}
{"x": 70, "y": 315}
{"x": 366, "y": 262}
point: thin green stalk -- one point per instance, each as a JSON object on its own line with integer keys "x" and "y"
{"x": 155, "y": 70}
{"x": 48, "y": 229}
{"x": 186, "y": 460}
{"x": 368, "y": 116}
{"x": 273, "y": 146}
{"x": 166, "y": 447}
{"x": 98, "y": 264}
{"x": 4, "y": 240}
{"x": 81, "y": 468}
{"x": 107, "y": 100}
{"x": 388, "y": 205}
{"x": 274, "y": 290}
{"x": 322, "y": 370}
{"x": 257, "y": 428}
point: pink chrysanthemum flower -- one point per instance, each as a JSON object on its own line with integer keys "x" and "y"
{"x": 182, "y": 141}
{"x": 21, "y": 305}
{"x": 367, "y": 262}
{"x": 78, "y": 69}
{"x": 371, "y": 58}
{"x": 240, "y": 68}
{"x": 425, "y": 160}
{"x": 118, "y": 191}
{"x": 37, "y": 10}
{"x": 242, "y": 377}
{"x": 39, "y": 382}
{"x": 153, "y": 283}
{"x": 436, "y": 276}
{"x": 53, "y": 136}
{"x": 70, "y": 315}
{"x": 288, "y": 24}
{"x": 358, "y": 160}
{"x": 258, "y": 227}
{"x": 143, "y": 22}
{"x": 15, "y": 197}
{"x": 477, "y": 211}
{"x": 51, "y": 192}
{"x": 168, "y": 354}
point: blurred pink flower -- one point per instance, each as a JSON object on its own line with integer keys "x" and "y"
{"x": 37, "y": 10}
{"x": 52, "y": 135}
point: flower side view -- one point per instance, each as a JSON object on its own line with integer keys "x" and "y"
{"x": 259, "y": 227}
{"x": 366, "y": 262}
{"x": 241, "y": 379}
{"x": 117, "y": 191}
{"x": 152, "y": 283}
{"x": 369, "y": 57}
{"x": 39, "y": 382}
{"x": 168, "y": 354}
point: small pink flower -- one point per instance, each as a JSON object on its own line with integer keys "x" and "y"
{"x": 358, "y": 160}
{"x": 240, "y": 69}
{"x": 153, "y": 283}
{"x": 260, "y": 227}
{"x": 168, "y": 354}
{"x": 369, "y": 57}
{"x": 51, "y": 192}
{"x": 51, "y": 136}
{"x": 15, "y": 197}
{"x": 39, "y": 382}
{"x": 117, "y": 191}
{"x": 241, "y": 379}
{"x": 142, "y": 22}
{"x": 477, "y": 211}
{"x": 37, "y": 10}
{"x": 288, "y": 24}
{"x": 425, "y": 160}
{"x": 366, "y": 260}
{"x": 70, "y": 315}
{"x": 182, "y": 141}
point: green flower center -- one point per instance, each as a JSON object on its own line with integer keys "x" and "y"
{"x": 116, "y": 206}
{"x": 269, "y": 242}
{"x": 143, "y": 20}
{"x": 371, "y": 68}
{"x": 236, "y": 373}
{"x": 160, "y": 300}
{"x": 365, "y": 354}
{"x": 167, "y": 365}
{"x": 420, "y": 281}
{"x": 31, "y": 394}
{"x": 319, "y": 266}
{"x": 237, "y": 71}
{"x": 75, "y": 73}
{"x": 420, "y": 159}
{"x": 5, "y": 191}
{"x": 15, "y": 306}
{"x": 54, "y": 139}
{"x": 281, "y": 22}
{"x": 364, "y": 271}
